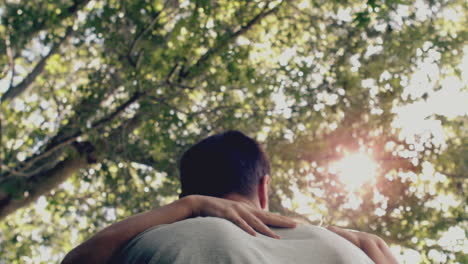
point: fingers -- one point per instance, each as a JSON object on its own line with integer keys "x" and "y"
{"x": 249, "y": 216}
{"x": 350, "y": 236}
{"x": 246, "y": 217}
{"x": 242, "y": 224}
{"x": 373, "y": 251}
{"x": 261, "y": 227}
{"x": 260, "y": 219}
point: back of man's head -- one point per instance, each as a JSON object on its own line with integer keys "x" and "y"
{"x": 222, "y": 164}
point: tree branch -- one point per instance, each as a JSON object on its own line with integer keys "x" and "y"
{"x": 456, "y": 176}
{"x": 140, "y": 36}
{"x": 77, "y": 134}
{"x": 45, "y": 181}
{"x": 64, "y": 14}
{"x": 137, "y": 40}
{"x": 14, "y": 91}
{"x": 58, "y": 144}
{"x": 41, "y": 184}
{"x": 118, "y": 110}
{"x": 9, "y": 53}
{"x": 205, "y": 58}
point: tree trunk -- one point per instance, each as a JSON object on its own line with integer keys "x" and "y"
{"x": 42, "y": 183}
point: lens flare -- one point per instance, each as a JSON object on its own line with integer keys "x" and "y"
{"x": 354, "y": 170}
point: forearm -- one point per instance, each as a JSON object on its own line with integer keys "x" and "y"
{"x": 101, "y": 247}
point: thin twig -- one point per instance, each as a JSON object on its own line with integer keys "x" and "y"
{"x": 162, "y": 101}
{"x": 171, "y": 72}
{"x": 12, "y": 171}
{"x": 186, "y": 87}
{"x": 9, "y": 52}
{"x": 139, "y": 37}
{"x": 223, "y": 43}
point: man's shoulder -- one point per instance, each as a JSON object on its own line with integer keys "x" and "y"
{"x": 218, "y": 239}
{"x": 197, "y": 222}
{"x": 302, "y": 231}
{"x": 204, "y": 226}
{"x": 196, "y": 228}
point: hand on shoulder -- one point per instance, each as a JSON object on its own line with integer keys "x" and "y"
{"x": 374, "y": 246}
{"x": 247, "y": 217}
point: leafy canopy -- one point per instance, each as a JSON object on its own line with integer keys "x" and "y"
{"x": 99, "y": 99}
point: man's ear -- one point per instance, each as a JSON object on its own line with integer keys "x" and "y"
{"x": 263, "y": 186}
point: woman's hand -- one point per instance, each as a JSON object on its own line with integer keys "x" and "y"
{"x": 241, "y": 214}
{"x": 374, "y": 247}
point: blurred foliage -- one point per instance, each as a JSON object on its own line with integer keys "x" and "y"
{"x": 100, "y": 98}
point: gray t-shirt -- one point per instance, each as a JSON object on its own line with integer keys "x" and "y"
{"x": 214, "y": 240}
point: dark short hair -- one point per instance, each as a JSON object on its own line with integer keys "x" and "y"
{"x": 225, "y": 163}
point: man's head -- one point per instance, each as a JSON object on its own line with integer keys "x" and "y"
{"x": 225, "y": 164}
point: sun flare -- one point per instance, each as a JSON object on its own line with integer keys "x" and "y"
{"x": 354, "y": 170}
